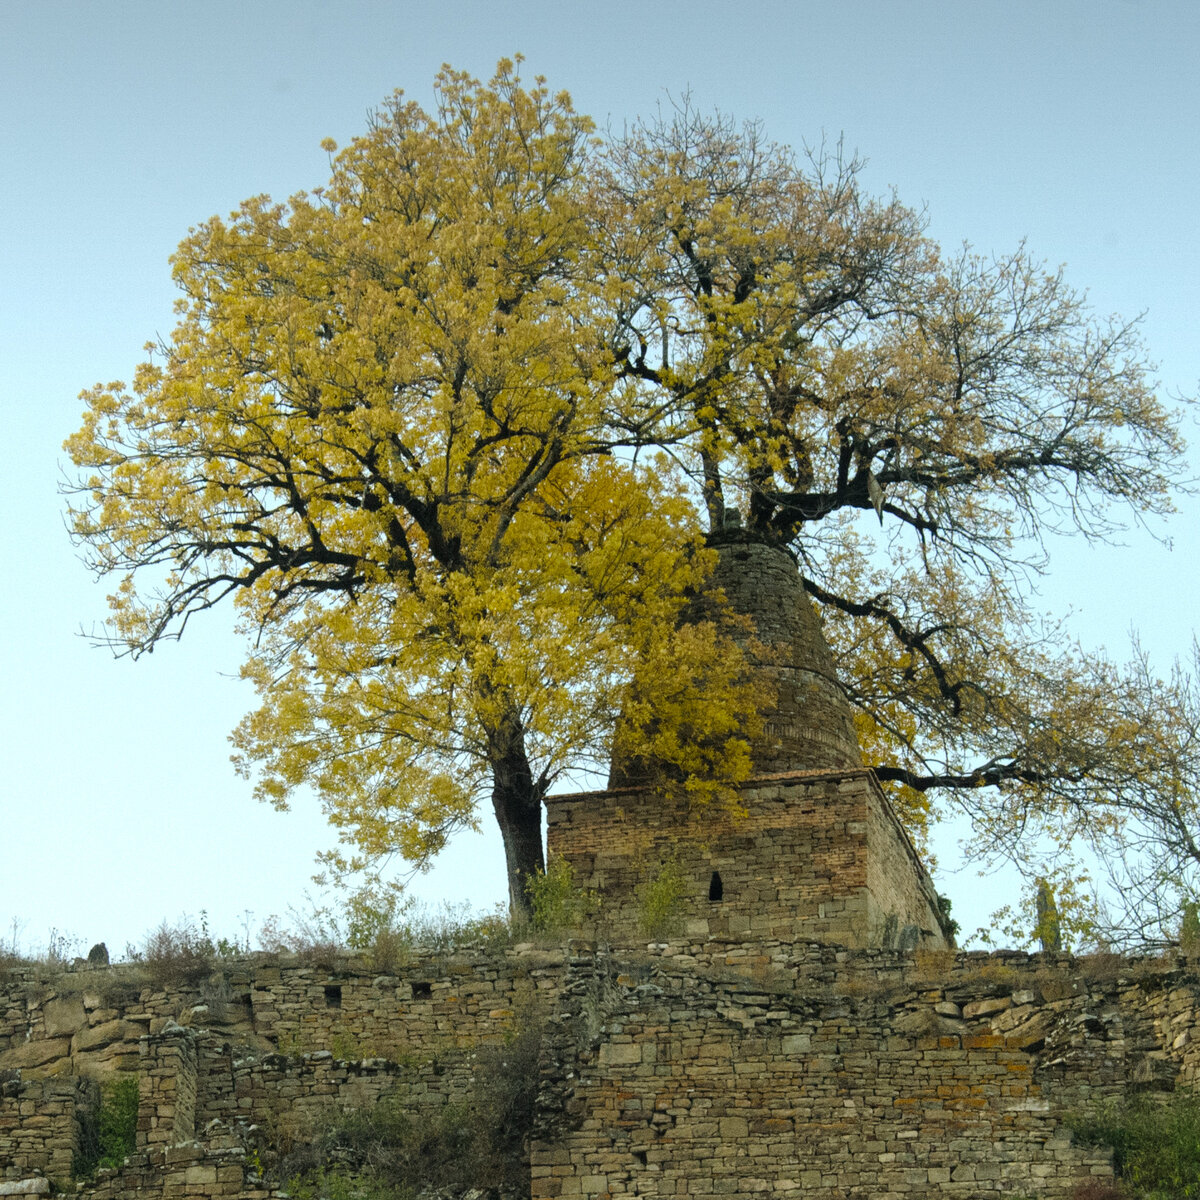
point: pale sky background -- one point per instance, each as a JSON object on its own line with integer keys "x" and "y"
{"x": 1073, "y": 125}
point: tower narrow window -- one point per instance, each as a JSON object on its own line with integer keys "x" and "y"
{"x": 716, "y": 889}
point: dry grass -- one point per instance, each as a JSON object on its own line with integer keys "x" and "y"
{"x": 1000, "y": 975}
{"x": 933, "y": 966}
{"x": 1103, "y": 967}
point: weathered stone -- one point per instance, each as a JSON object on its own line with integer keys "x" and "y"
{"x": 25, "y": 1187}
{"x": 985, "y": 1008}
{"x": 810, "y": 726}
{"x": 1155, "y": 1073}
{"x": 35, "y": 1054}
{"x": 1032, "y": 1033}
{"x": 613, "y": 1053}
{"x": 792, "y": 872}
{"x": 64, "y": 1015}
{"x": 94, "y": 1037}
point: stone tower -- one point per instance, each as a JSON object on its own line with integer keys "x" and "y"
{"x": 817, "y": 853}
{"x": 810, "y": 726}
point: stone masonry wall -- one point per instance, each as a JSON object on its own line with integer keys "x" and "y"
{"x": 428, "y": 1006}
{"x": 168, "y": 1082}
{"x": 870, "y": 1078}
{"x": 716, "y": 1066}
{"x": 91, "y": 1021}
{"x": 899, "y": 889}
{"x": 189, "y": 1170}
{"x": 815, "y": 856}
{"x": 40, "y": 1128}
{"x": 263, "y": 1042}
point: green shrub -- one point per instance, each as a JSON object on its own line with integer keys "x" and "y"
{"x": 383, "y": 1149}
{"x": 1155, "y": 1142}
{"x": 506, "y": 1084}
{"x": 117, "y": 1122}
{"x": 944, "y": 907}
{"x": 660, "y": 899}
{"x": 451, "y": 926}
{"x": 389, "y": 949}
{"x": 1189, "y": 927}
{"x": 319, "y": 944}
{"x": 556, "y": 901}
{"x": 110, "y": 1137}
{"x": 386, "y": 932}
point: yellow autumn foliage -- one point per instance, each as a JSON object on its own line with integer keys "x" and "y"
{"x": 388, "y": 426}
{"x": 448, "y": 432}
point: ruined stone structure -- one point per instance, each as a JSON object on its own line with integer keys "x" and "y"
{"x": 816, "y": 856}
{"x": 817, "y": 853}
{"x": 719, "y": 1066}
{"x": 805, "y": 1030}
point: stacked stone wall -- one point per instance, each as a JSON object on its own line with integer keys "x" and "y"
{"x": 87, "y": 1021}
{"x": 815, "y": 856}
{"x": 41, "y": 1124}
{"x": 168, "y": 1080}
{"x": 430, "y": 1006}
{"x": 864, "y": 1076}
{"x": 292, "y": 1094}
{"x": 718, "y": 1066}
{"x": 189, "y": 1171}
{"x": 90, "y": 1022}
{"x": 264, "y": 1042}
{"x": 899, "y": 889}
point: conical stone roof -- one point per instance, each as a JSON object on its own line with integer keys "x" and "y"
{"x": 810, "y": 726}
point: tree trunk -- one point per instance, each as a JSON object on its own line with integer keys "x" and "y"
{"x": 520, "y": 820}
{"x": 517, "y": 802}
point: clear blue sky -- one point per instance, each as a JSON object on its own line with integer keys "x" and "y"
{"x": 1074, "y": 125}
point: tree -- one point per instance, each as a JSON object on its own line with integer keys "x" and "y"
{"x": 450, "y": 431}
{"x": 912, "y": 425}
{"x": 1146, "y": 835}
{"x": 384, "y": 429}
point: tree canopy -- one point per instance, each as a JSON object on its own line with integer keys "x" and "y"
{"x": 384, "y": 428}
{"x": 812, "y": 357}
{"x": 449, "y": 432}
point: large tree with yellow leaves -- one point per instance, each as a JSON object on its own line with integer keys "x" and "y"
{"x": 387, "y": 428}
{"x": 449, "y": 432}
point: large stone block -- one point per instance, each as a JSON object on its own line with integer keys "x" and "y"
{"x": 97, "y": 1036}
{"x": 64, "y": 1015}
{"x": 35, "y": 1054}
